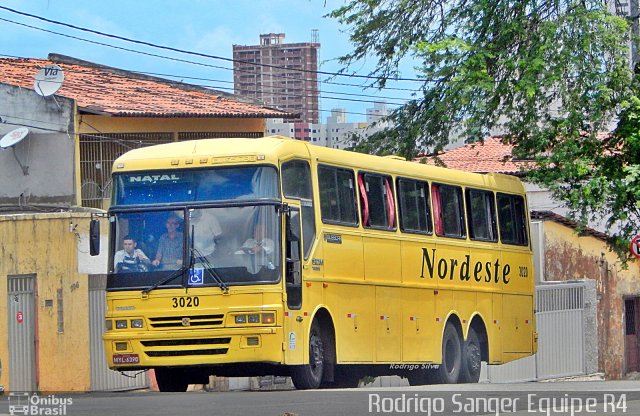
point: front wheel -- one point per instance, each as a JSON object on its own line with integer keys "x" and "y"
{"x": 449, "y": 371}
{"x": 344, "y": 377}
{"x": 309, "y": 376}
{"x": 171, "y": 379}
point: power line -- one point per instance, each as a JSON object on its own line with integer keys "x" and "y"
{"x": 232, "y": 89}
{"x": 166, "y": 57}
{"x": 186, "y": 60}
{"x": 231, "y": 82}
{"x": 225, "y": 88}
{"x": 200, "y": 54}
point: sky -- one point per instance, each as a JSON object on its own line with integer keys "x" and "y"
{"x": 205, "y": 26}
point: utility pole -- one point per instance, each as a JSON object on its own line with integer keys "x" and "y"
{"x": 635, "y": 33}
{"x": 629, "y": 11}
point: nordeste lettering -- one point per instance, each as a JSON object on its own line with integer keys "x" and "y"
{"x": 451, "y": 268}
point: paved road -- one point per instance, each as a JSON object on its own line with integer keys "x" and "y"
{"x": 548, "y": 399}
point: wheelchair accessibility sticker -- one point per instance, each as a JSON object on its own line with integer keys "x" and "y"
{"x": 196, "y": 277}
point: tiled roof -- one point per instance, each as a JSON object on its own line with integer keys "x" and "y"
{"x": 100, "y": 89}
{"x": 490, "y": 156}
{"x": 552, "y": 216}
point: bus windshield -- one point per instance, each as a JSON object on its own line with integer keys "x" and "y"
{"x": 196, "y": 185}
{"x": 197, "y": 246}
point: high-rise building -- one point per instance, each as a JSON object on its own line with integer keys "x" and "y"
{"x": 282, "y": 75}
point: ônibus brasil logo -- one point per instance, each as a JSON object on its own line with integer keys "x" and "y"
{"x": 33, "y": 404}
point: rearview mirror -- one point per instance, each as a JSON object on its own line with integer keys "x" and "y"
{"x": 94, "y": 237}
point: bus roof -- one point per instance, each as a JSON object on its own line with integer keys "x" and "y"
{"x": 215, "y": 152}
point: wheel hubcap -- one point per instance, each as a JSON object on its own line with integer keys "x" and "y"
{"x": 473, "y": 358}
{"x": 316, "y": 354}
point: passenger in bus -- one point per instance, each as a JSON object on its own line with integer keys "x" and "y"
{"x": 207, "y": 232}
{"x": 130, "y": 258}
{"x": 260, "y": 248}
{"x": 169, "y": 254}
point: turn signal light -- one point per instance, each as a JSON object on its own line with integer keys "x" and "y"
{"x": 268, "y": 318}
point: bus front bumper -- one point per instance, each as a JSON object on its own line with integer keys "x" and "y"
{"x": 127, "y": 350}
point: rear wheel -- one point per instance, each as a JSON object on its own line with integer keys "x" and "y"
{"x": 309, "y": 376}
{"x": 171, "y": 379}
{"x": 422, "y": 376}
{"x": 449, "y": 371}
{"x": 471, "y": 358}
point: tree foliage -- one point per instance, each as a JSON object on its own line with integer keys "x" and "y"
{"x": 550, "y": 75}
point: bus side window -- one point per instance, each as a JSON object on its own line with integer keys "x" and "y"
{"x": 296, "y": 179}
{"x": 337, "y": 195}
{"x": 377, "y": 201}
{"x": 296, "y": 184}
{"x": 413, "y": 201}
{"x": 448, "y": 211}
{"x": 512, "y": 219}
{"x": 293, "y": 266}
{"x": 481, "y": 213}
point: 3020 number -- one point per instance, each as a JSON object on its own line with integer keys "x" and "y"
{"x": 185, "y": 302}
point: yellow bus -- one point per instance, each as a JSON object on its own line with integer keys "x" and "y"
{"x": 248, "y": 257}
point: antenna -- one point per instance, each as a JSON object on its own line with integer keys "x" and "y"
{"x": 11, "y": 139}
{"x": 48, "y": 80}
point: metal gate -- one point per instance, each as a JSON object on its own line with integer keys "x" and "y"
{"x": 102, "y": 378}
{"x": 560, "y": 321}
{"x": 22, "y": 334}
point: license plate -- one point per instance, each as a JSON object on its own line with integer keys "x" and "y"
{"x": 126, "y": 359}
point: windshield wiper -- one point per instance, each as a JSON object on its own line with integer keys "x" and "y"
{"x": 164, "y": 281}
{"x": 221, "y": 284}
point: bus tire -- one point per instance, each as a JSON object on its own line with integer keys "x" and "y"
{"x": 171, "y": 379}
{"x": 471, "y": 358}
{"x": 449, "y": 370}
{"x": 309, "y": 376}
{"x": 422, "y": 377}
{"x": 344, "y": 377}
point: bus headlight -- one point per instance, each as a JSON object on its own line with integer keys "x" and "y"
{"x": 255, "y": 318}
{"x": 121, "y": 324}
{"x": 136, "y": 323}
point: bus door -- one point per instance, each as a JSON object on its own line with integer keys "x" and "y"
{"x": 293, "y": 321}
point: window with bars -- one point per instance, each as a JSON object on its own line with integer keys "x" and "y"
{"x": 99, "y": 151}
{"x": 630, "y": 315}
{"x": 97, "y": 154}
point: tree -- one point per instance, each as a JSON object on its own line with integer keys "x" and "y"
{"x": 551, "y": 74}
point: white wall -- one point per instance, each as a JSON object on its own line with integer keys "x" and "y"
{"x": 48, "y": 150}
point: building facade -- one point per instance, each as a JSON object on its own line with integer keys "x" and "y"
{"x": 281, "y": 75}
{"x": 337, "y": 132}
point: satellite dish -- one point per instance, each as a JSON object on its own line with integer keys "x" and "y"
{"x": 13, "y": 137}
{"x": 49, "y": 79}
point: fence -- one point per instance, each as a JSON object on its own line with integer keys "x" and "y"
{"x": 102, "y": 378}
{"x": 561, "y": 313}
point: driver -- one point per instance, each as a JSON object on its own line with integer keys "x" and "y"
{"x": 130, "y": 258}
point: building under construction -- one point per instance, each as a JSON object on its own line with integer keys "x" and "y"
{"x": 282, "y": 75}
